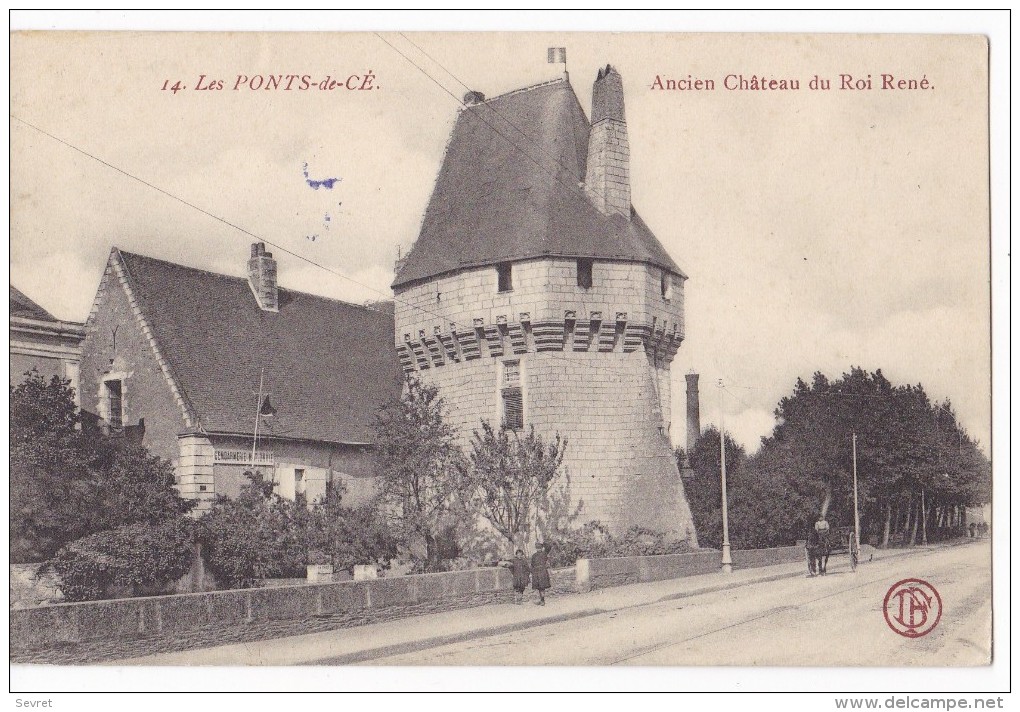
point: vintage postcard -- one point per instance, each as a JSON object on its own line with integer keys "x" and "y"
{"x": 415, "y": 348}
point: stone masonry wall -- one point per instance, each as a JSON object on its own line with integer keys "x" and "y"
{"x": 607, "y": 181}
{"x": 76, "y": 624}
{"x": 544, "y": 289}
{"x": 594, "y": 367}
{"x": 146, "y": 393}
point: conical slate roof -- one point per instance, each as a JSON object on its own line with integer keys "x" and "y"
{"x": 510, "y": 189}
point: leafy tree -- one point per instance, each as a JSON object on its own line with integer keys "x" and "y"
{"x": 703, "y": 490}
{"x": 508, "y": 477}
{"x": 47, "y": 451}
{"x": 68, "y": 481}
{"x": 916, "y": 465}
{"x": 418, "y": 458}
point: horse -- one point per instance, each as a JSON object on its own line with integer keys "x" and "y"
{"x": 821, "y": 551}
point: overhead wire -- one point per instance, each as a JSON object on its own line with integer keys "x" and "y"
{"x": 308, "y": 260}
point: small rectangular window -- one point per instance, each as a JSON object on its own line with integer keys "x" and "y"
{"x": 506, "y": 283}
{"x": 116, "y": 403}
{"x": 513, "y": 397}
{"x": 513, "y": 409}
{"x": 667, "y": 286}
{"x": 512, "y": 373}
{"x": 584, "y": 278}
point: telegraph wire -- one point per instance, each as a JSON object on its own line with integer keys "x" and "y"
{"x": 329, "y": 270}
{"x": 493, "y": 109}
{"x": 458, "y": 80}
{"x": 275, "y": 245}
{"x": 477, "y": 115}
{"x": 310, "y": 261}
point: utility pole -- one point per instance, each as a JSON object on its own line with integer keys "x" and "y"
{"x": 857, "y": 514}
{"x": 924, "y": 521}
{"x": 258, "y": 417}
{"x": 727, "y": 561}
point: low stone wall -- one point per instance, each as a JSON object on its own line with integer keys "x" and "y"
{"x": 75, "y": 633}
{"x": 623, "y": 570}
{"x": 753, "y": 558}
{"x": 82, "y": 623}
{"x": 563, "y": 580}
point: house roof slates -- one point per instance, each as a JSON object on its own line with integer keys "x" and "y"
{"x": 22, "y": 306}
{"x": 328, "y": 365}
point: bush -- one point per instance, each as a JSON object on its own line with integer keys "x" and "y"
{"x": 638, "y": 541}
{"x": 255, "y": 536}
{"x": 345, "y": 536}
{"x": 135, "y": 559}
{"x": 594, "y": 541}
{"x": 261, "y": 535}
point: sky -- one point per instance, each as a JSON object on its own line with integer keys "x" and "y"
{"x": 820, "y": 229}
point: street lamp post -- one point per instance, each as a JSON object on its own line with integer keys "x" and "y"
{"x": 727, "y": 561}
{"x": 857, "y": 515}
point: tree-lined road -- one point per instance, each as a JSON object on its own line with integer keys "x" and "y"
{"x": 835, "y": 620}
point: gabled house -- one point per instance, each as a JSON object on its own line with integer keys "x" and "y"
{"x": 42, "y": 342}
{"x": 220, "y": 374}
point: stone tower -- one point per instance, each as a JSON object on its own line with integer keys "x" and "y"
{"x": 536, "y": 296}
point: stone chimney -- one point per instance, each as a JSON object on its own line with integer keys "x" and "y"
{"x": 693, "y": 411}
{"x": 607, "y": 180}
{"x": 262, "y": 277}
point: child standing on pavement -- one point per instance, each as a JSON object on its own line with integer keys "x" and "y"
{"x": 521, "y": 573}
{"x": 540, "y": 571}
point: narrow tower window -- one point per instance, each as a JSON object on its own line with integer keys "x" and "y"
{"x": 506, "y": 283}
{"x": 513, "y": 398}
{"x": 584, "y": 278}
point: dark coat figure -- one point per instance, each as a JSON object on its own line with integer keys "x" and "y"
{"x": 521, "y": 570}
{"x": 973, "y": 526}
{"x": 540, "y": 572}
{"x": 812, "y": 551}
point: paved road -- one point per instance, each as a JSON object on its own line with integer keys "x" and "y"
{"x": 835, "y": 620}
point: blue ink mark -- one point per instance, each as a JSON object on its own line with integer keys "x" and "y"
{"x": 326, "y": 183}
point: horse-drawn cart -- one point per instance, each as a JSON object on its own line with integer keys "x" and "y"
{"x": 825, "y": 542}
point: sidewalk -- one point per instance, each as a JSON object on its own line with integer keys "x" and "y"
{"x": 353, "y": 645}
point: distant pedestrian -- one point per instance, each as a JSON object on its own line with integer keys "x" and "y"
{"x": 540, "y": 571}
{"x": 972, "y": 527}
{"x": 521, "y": 571}
{"x": 811, "y": 547}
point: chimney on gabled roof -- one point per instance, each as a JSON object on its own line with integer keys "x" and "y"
{"x": 607, "y": 179}
{"x": 262, "y": 277}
